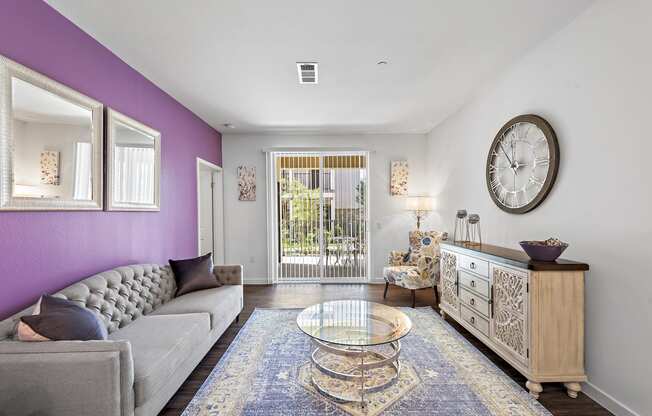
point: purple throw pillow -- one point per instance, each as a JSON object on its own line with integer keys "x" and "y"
{"x": 63, "y": 320}
{"x": 194, "y": 274}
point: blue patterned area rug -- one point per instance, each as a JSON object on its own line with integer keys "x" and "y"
{"x": 264, "y": 372}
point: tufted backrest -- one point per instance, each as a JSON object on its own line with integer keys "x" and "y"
{"x": 118, "y": 296}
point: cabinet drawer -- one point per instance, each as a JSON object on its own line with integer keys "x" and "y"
{"x": 475, "y": 302}
{"x": 475, "y": 320}
{"x": 478, "y": 266}
{"x": 474, "y": 283}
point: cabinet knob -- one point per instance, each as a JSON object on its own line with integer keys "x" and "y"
{"x": 472, "y": 302}
{"x": 473, "y": 320}
{"x": 472, "y": 283}
{"x": 472, "y": 265}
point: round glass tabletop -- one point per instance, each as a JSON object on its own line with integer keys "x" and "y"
{"x": 354, "y": 323}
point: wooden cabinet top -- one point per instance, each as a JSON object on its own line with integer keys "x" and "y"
{"x": 516, "y": 258}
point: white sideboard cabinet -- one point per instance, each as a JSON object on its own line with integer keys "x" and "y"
{"x": 530, "y": 313}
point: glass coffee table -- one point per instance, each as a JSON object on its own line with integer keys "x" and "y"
{"x": 355, "y": 347}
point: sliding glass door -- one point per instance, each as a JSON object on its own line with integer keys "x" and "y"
{"x": 321, "y": 220}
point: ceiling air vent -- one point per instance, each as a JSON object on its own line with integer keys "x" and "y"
{"x": 307, "y": 72}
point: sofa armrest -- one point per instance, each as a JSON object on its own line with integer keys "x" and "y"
{"x": 228, "y": 274}
{"x": 66, "y": 377}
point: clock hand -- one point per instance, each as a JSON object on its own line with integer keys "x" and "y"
{"x": 511, "y": 164}
{"x": 506, "y": 155}
{"x": 511, "y": 143}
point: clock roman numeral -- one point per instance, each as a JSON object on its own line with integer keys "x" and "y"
{"x": 495, "y": 183}
{"x": 494, "y": 168}
{"x": 540, "y": 161}
{"x": 536, "y": 181}
{"x": 509, "y": 200}
{"x": 517, "y": 199}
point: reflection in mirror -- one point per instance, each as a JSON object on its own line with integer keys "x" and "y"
{"x": 133, "y": 160}
{"x": 53, "y": 149}
{"x": 134, "y": 166}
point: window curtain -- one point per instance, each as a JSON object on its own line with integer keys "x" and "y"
{"x": 134, "y": 174}
{"x": 83, "y": 186}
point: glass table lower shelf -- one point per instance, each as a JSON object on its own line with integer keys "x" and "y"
{"x": 355, "y": 346}
{"x": 348, "y": 373}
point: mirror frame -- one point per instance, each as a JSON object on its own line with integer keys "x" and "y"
{"x": 8, "y": 70}
{"x": 113, "y": 117}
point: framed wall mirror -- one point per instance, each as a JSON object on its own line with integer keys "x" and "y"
{"x": 133, "y": 161}
{"x": 51, "y": 142}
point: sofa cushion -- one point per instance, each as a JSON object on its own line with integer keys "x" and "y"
{"x": 160, "y": 345}
{"x": 219, "y": 303}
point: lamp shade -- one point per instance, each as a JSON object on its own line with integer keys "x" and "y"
{"x": 419, "y": 203}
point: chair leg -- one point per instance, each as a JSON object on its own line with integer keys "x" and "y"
{"x": 436, "y": 296}
{"x": 414, "y": 298}
{"x": 386, "y": 287}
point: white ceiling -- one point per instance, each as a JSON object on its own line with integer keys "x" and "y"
{"x": 234, "y": 61}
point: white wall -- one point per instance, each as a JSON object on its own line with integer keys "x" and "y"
{"x": 245, "y": 222}
{"x": 593, "y": 82}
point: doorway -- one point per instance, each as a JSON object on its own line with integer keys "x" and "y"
{"x": 210, "y": 210}
{"x": 319, "y": 216}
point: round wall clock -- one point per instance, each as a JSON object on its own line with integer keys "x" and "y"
{"x": 522, "y": 164}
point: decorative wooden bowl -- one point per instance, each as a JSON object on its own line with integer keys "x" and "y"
{"x": 539, "y": 251}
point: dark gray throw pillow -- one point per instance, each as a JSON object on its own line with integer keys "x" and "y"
{"x": 194, "y": 274}
{"x": 63, "y": 320}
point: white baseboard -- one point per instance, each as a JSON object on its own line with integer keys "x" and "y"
{"x": 607, "y": 401}
{"x": 256, "y": 281}
{"x": 264, "y": 281}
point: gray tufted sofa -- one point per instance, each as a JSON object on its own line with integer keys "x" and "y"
{"x": 155, "y": 341}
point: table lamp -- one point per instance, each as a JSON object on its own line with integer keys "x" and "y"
{"x": 420, "y": 205}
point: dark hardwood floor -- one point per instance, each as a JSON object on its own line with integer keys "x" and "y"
{"x": 554, "y": 397}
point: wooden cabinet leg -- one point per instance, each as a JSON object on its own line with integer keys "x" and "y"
{"x": 386, "y": 287}
{"x": 443, "y": 313}
{"x": 535, "y": 388}
{"x": 573, "y": 389}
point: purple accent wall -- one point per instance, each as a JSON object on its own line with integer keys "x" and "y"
{"x": 41, "y": 252}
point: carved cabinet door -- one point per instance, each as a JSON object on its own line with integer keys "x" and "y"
{"x": 449, "y": 295}
{"x": 509, "y": 328}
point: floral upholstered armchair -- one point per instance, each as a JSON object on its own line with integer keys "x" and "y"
{"x": 417, "y": 268}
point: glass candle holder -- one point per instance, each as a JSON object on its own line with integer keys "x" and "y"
{"x": 474, "y": 234}
{"x": 461, "y": 226}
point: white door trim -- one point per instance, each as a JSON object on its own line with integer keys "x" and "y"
{"x": 272, "y": 212}
{"x": 213, "y": 167}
